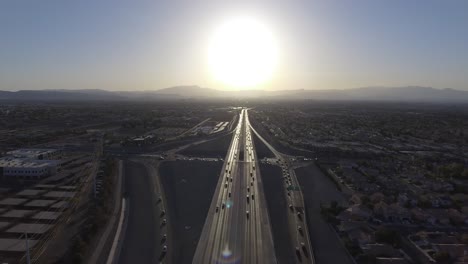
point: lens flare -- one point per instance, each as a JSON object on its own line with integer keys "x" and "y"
{"x": 228, "y": 257}
{"x": 226, "y": 252}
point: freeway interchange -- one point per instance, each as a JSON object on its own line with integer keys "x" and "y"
{"x": 237, "y": 227}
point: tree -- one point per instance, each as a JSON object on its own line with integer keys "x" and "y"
{"x": 385, "y": 235}
{"x": 352, "y": 247}
{"x": 464, "y": 174}
{"x": 452, "y": 170}
{"x": 368, "y": 259}
{"x": 365, "y": 200}
{"x": 442, "y": 257}
{"x": 464, "y": 239}
{"x": 334, "y": 204}
{"x": 78, "y": 249}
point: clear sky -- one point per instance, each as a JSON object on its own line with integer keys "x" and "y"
{"x": 135, "y": 45}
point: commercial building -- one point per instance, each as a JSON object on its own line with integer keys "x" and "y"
{"x": 23, "y": 168}
{"x": 38, "y": 154}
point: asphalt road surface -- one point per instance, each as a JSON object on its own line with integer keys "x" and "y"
{"x": 237, "y": 228}
{"x": 320, "y": 189}
{"x": 142, "y": 232}
{"x": 296, "y": 214}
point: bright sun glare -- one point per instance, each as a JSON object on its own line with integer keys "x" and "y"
{"x": 242, "y": 53}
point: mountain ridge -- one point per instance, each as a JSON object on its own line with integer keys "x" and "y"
{"x": 371, "y": 93}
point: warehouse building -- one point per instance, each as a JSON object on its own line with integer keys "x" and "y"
{"x": 38, "y": 154}
{"x": 27, "y": 169}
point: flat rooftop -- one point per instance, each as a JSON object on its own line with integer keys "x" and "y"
{"x": 60, "y": 205}
{"x": 29, "y": 228}
{"x": 60, "y": 194}
{"x": 46, "y": 215}
{"x": 12, "y": 201}
{"x": 17, "y": 213}
{"x": 13, "y": 162}
{"x": 30, "y": 152}
{"x": 68, "y": 187}
{"x": 45, "y": 186}
{"x": 40, "y": 203}
{"x": 4, "y": 224}
{"x": 15, "y": 245}
{"x": 29, "y": 192}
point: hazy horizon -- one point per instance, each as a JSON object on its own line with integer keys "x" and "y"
{"x": 151, "y": 45}
{"x": 231, "y": 90}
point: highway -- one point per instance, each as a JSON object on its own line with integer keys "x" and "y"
{"x": 296, "y": 214}
{"x": 142, "y": 237}
{"x": 237, "y": 228}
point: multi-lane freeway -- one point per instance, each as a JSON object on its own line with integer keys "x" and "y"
{"x": 237, "y": 228}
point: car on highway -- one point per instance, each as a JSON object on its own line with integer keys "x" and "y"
{"x": 299, "y": 228}
{"x": 298, "y": 253}
{"x": 304, "y": 249}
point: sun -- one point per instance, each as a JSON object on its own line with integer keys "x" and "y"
{"x": 242, "y": 53}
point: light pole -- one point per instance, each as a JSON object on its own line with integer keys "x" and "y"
{"x": 28, "y": 257}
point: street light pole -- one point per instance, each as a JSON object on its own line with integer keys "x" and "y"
{"x": 28, "y": 257}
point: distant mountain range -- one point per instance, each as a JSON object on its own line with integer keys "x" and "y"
{"x": 401, "y": 94}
